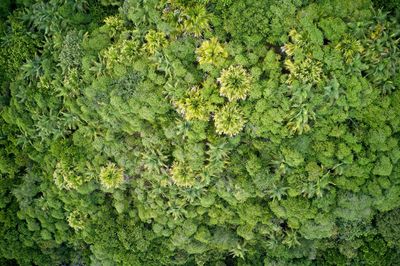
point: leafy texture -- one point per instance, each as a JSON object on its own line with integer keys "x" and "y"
{"x": 229, "y": 120}
{"x": 235, "y": 83}
{"x": 199, "y": 132}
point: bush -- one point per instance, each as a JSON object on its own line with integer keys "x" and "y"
{"x": 207, "y": 132}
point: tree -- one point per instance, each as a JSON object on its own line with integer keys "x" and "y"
{"x": 211, "y": 52}
{"x": 235, "y": 83}
{"x": 111, "y": 176}
{"x": 229, "y": 120}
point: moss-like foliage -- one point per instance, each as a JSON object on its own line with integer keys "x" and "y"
{"x": 199, "y": 132}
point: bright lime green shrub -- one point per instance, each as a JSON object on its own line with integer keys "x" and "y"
{"x": 182, "y": 175}
{"x": 383, "y": 167}
{"x": 195, "y": 105}
{"x": 154, "y": 41}
{"x": 114, "y": 25}
{"x": 111, "y": 176}
{"x": 389, "y": 226}
{"x": 229, "y": 120}
{"x": 77, "y": 220}
{"x": 235, "y": 83}
{"x": 308, "y": 71}
{"x": 211, "y": 52}
{"x": 64, "y": 177}
{"x": 204, "y": 132}
{"x": 349, "y": 47}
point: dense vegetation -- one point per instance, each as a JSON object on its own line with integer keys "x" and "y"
{"x": 199, "y": 132}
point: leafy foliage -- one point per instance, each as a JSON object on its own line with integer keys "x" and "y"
{"x": 211, "y": 52}
{"x": 111, "y": 176}
{"x": 229, "y": 120}
{"x": 206, "y": 132}
{"x": 235, "y": 83}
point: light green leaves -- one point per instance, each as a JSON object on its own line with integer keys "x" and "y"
{"x": 349, "y": 47}
{"x": 307, "y": 71}
{"x": 301, "y": 117}
{"x": 235, "y": 83}
{"x": 64, "y": 176}
{"x": 211, "y": 52}
{"x": 229, "y": 120}
{"x": 195, "y": 105}
{"x": 182, "y": 175}
{"x": 196, "y": 20}
{"x": 154, "y": 41}
{"x": 111, "y": 176}
{"x": 383, "y": 167}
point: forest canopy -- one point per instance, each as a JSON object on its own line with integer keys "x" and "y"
{"x": 199, "y": 132}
